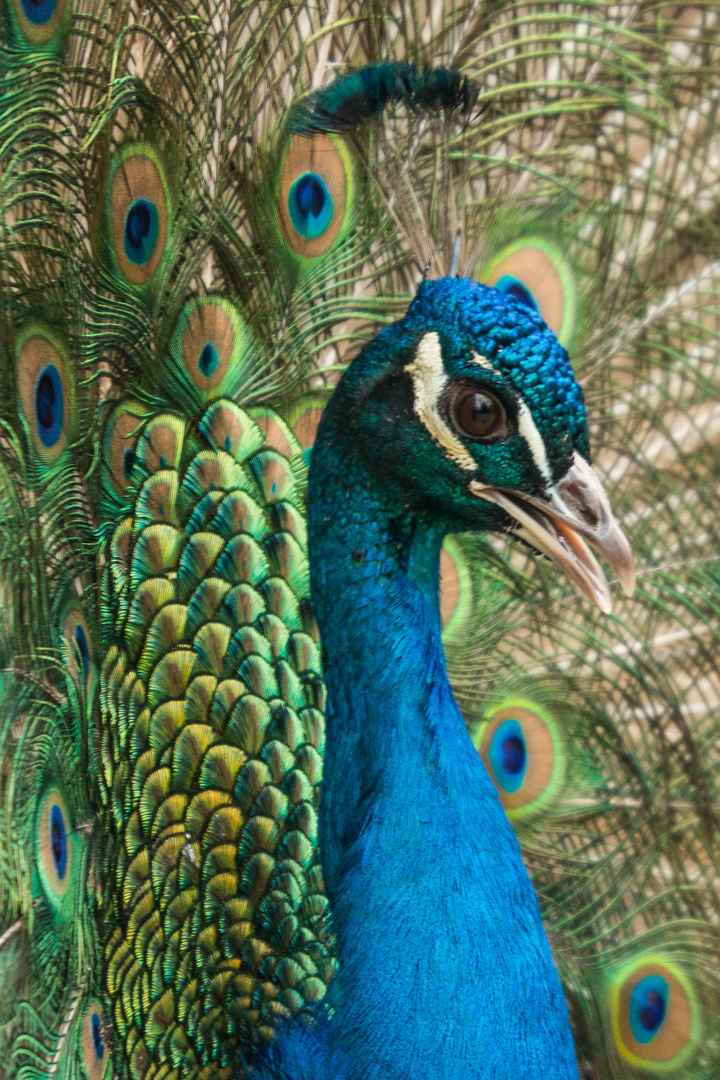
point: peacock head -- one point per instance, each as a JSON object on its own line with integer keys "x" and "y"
{"x": 469, "y": 408}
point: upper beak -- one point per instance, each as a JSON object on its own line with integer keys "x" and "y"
{"x": 575, "y": 507}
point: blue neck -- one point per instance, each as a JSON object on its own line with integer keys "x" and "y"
{"x": 375, "y": 588}
{"x": 444, "y": 967}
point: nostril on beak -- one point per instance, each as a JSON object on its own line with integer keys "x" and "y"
{"x": 580, "y": 501}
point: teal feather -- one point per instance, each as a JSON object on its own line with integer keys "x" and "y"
{"x": 348, "y": 101}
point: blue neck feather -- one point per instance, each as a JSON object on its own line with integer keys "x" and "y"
{"x": 445, "y": 970}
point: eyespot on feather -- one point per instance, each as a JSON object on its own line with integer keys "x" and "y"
{"x": 138, "y": 207}
{"x": 210, "y": 349}
{"x": 230, "y": 429}
{"x": 535, "y": 272}
{"x": 78, "y": 648}
{"x": 274, "y": 476}
{"x": 94, "y": 1042}
{"x": 40, "y": 21}
{"x": 160, "y": 444}
{"x": 277, "y": 434}
{"x": 304, "y": 420}
{"x": 54, "y": 845}
{"x": 655, "y": 1014}
{"x": 315, "y": 193}
{"x": 523, "y": 752}
{"x": 120, "y": 442}
{"x": 455, "y": 589}
{"x": 45, "y": 392}
{"x": 208, "y": 343}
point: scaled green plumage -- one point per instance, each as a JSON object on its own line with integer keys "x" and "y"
{"x": 179, "y": 732}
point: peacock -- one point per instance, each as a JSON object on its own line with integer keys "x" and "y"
{"x": 312, "y": 314}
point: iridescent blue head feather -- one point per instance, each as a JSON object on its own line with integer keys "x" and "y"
{"x": 469, "y": 414}
{"x": 514, "y": 339}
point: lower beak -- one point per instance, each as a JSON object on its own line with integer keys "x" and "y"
{"x": 576, "y": 509}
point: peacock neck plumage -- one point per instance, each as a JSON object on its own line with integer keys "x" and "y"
{"x": 445, "y": 969}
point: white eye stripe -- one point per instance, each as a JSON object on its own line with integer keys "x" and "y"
{"x": 482, "y": 361}
{"x": 531, "y": 435}
{"x": 429, "y": 380}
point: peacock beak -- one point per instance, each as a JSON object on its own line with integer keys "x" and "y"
{"x": 575, "y": 509}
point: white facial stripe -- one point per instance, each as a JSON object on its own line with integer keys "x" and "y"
{"x": 429, "y": 380}
{"x": 482, "y": 361}
{"x": 531, "y": 435}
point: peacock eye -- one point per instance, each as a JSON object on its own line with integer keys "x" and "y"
{"x": 94, "y": 1042}
{"x": 49, "y": 406}
{"x": 478, "y": 414}
{"x": 141, "y": 231}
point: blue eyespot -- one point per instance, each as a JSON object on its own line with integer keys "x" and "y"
{"x": 93, "y": 1043}
{"x": 49, "y": 405}
{"x": 97, "y": 1039}
{"x": 81, "y": 643}
{"x": 53, "y": 846}
{"x": 142, "y": 226}
{"x": 648, "y": 1007}
{"x": 208, "y": 360}
{"x": 512, "y": 287}
{"x": 508, "y": 755}
{"x": 58, "y": 840}
{"x": 128, "y": 462}
{"x": 39, "y": 11}
{"x": 310, "y": 205}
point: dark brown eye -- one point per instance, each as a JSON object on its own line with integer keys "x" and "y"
{"x": 478, "y": 414}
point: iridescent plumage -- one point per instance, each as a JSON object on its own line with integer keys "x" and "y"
{"x": 201, "y": 228}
